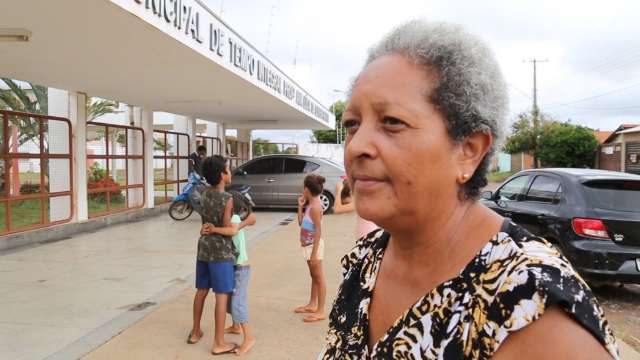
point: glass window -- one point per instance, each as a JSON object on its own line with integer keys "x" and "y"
{"x": 543, "y": 189}
{"x": 294, "y": 166}
{"x": 514, "y": 188}
{"x": 311, "y": 167}
{"x": 621, "y": 195}
{"x": 265, "y": 166}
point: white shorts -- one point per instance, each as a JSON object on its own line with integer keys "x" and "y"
{"x": 307, "y": 250}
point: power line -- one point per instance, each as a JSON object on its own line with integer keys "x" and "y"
{"x": 567, "y": 103}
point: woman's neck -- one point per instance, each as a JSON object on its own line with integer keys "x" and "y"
{"x": 455, "y": 237}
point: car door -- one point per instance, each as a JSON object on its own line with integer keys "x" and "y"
{"x": 292, "y": 180}
{"x": 262, "y": 175}
{"x": 538, "y": 211}
{"x": 508, "y": 196}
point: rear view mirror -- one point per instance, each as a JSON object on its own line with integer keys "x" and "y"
{"x": 487, "y": 195}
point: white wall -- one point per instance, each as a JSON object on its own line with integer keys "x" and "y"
{"x": 331, "y": 151}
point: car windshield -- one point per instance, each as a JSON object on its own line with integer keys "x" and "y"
{"x": 335, "y": 163}
{"x": 620, "y": 195}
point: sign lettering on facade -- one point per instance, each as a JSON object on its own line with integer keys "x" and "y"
{"x": 185, "y": 16}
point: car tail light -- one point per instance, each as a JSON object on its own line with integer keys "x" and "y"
{"x": 592, "y": 228}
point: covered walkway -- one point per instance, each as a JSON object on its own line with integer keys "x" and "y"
{"x": 55, "y": 294}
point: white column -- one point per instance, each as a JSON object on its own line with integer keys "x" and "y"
{"x": 146, "y": 122}
{"x": 187, "y": 125}
{"x": 78, "y": 118}
{"x": 244, "y": 135}
{"x": 58, "y": 169}
{"x": 135, "y": 168}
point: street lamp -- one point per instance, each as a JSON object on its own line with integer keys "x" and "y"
{"x": 339, "y": 134}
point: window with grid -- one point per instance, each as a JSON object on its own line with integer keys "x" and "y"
{"x": 213, "y": 144}
{"x": 35, "y": 171}
{"x": 115, "y": 168}
{"x": 171, "y": 152}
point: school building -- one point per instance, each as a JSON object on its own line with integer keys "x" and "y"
{"x": 182, "y": 77}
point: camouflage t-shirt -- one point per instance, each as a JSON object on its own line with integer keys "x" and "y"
{"x": 215, "y": 247}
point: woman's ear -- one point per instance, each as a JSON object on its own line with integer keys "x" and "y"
{"x": 472, "y": 150}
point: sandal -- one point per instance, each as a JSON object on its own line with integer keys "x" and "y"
{"x": 313, "y": 318}
{"x": 230, "y": 351}
{"x": 190, "y": 340}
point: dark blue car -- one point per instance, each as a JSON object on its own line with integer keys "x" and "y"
{"x": 593, "y": 216}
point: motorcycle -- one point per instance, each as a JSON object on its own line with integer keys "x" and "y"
{"x": 182, "y": 206}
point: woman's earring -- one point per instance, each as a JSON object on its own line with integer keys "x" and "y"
{"x": 465, "y": 177}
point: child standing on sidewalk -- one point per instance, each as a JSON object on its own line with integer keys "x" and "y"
{"x": 216, "y": 256}
{"x": 242, "y": 217}
{"x": 310, "y": 221}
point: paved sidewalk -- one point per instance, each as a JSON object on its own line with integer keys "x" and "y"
{"x": 55, "y": 294}
{"x": 279, "y": 282}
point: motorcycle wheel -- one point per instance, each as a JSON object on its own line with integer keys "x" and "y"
{"x": 180, "y": 210}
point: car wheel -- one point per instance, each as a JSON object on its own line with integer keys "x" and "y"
{"x": 327, "y": 201}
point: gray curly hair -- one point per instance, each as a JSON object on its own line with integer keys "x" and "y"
{"x": 471, "y": 92}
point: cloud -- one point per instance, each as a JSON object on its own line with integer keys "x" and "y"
{"x": 591, "y": 46}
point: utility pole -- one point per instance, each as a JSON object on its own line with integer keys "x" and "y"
{"x": 535, "y": 110}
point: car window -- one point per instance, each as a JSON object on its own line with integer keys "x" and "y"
{"x": 543, "y": 189}
{"x": 265, "y": 166}
{"x": 294, "y": 166}
{"x": 310, "y": 167}
{"x": 621, "y": 195}
{"x": 514, "y": 188}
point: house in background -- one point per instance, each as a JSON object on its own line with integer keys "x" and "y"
{"x": 620, "y": 151}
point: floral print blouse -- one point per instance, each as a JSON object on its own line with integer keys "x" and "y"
{"x": 508, "y": 285}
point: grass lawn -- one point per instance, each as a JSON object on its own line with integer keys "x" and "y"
{"x": 23, "y": 213}
{"x": 99, "y": 207}
{"x": 499, "y": 177}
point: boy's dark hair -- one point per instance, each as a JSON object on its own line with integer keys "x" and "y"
{"x": 242, "y": 206}
{"x": 346, "y": 190}
{"x": 314, "y": 183}
{"x": 201, "y": 148}
{"x": 212, "y": 169}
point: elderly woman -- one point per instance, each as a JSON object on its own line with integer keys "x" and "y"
{"x": 447, "y": 278}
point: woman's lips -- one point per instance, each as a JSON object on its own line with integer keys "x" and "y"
{"x": 368, "y": 183}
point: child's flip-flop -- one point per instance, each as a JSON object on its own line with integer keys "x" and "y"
{"x": 230, "y": 351}
{"x": 304, "y": 310}
{"x": 313, "y": 318}
{"x": 190, "y": 340}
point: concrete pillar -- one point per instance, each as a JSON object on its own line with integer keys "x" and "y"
{"x": 146, "y": 123}
{"x": 135, "y": 168}
{"x": 244, "y": 135}
{"x": 187, "y": 125}
{"x": 78, "y": 118}
{"x": 60, "y": 208}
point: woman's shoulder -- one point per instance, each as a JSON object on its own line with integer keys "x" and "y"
{"x": 528, "y": 276}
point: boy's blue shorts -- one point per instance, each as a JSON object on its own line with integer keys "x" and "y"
{"x": 217, "y": 276}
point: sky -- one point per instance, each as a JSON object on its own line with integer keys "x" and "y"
{"x": 592, "y": 48}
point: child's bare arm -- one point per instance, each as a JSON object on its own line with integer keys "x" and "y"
{"x": 301, "y": 202}
{"x": 249, "y": 221}
{"x": 228, "y": 211}
{"x": 226, "y": 231}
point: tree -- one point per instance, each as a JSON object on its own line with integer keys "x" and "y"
{"x": 525, "y": 137}
{"x": 567, "y": 145}
{"x": 330, "y": 136}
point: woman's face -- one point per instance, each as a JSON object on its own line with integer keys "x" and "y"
{"x": 398, "y": 155}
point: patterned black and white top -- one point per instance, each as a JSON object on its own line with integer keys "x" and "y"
{"x": 508, "y": 285}
{"x": 215, "y": 247}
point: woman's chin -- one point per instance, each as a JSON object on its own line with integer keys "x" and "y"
{"x": 373, "y": 210}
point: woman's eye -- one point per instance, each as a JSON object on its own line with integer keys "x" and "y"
{"x": 350, "y": 125}
{"x": 391, "y": 121}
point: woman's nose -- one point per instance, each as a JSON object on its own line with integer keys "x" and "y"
{"x": 362, "y": 143}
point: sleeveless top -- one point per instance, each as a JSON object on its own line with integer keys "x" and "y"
{"x": 215, "y": 247}
{"x": 307, "y": 227}
{"x": 508, "y": 285}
